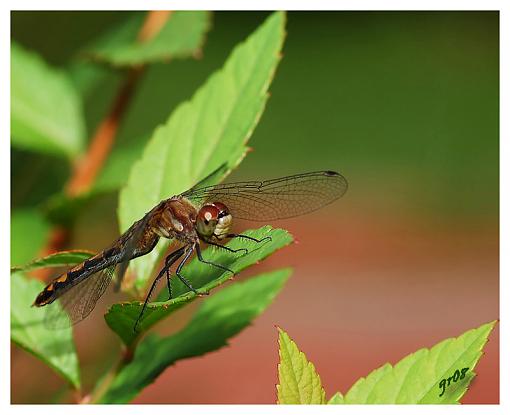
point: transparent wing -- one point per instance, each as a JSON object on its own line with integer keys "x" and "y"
{"x": 281, "y": 198}
{"x": 78, "y": 301}
{"x": 129, "y": 242}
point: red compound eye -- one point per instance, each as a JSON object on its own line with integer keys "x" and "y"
{"x": 222, "y": 209}
{"x": 208, "y": 213}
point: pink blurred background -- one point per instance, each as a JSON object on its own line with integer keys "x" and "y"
{"x": 365, "y": 291}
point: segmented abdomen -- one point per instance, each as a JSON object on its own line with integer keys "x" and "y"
{"x": 76, "y": 274}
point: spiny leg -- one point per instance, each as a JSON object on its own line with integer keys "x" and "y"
{"x": 179, "y": 268}
{"x": 201, "y": 259}
{"x": 238, "y": 235}
{"x": 169, "y": 286}
{"x": 161, "y": 273}
{"x": 170, "y": 259}
{"x": 234, "y": 251}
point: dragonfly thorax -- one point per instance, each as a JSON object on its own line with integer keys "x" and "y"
{"x": 213, "y": 221}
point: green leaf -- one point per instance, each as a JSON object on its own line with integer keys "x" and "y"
{"x": 417, "y": 378}
{"x": 29, "y": 232}
{"x": 181, "y": 36}
{"x": 87, "y": 77}
{"x": 53, "y": 347}
{"x": 203, "y": 133}
{"x": 122, "y": 317}
{"x": 63, "y": 210}
{"x": 46, "y": 111}
{"x": 113, "y": 175}
{"x": 58, "y": 259}
{"x": 299, "y": 383}
{"x": 336, "y": 399}
{"x": 219, "y": 318}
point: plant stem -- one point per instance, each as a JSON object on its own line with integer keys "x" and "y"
{"x": 89, "y": 166}
{"x": 154, "y": 22}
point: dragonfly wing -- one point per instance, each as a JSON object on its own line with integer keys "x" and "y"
{"x": 129, "y": 244}
{"x": 134, "y": 243}
{"x": 281, "y": 198}
{"x": 77, "y": 303}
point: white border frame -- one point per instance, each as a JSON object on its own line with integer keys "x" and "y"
{"x": 502, "y": 6}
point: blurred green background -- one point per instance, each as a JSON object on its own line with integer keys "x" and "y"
{"x": 405, "y": 105}
{"x": 387, "y": 97}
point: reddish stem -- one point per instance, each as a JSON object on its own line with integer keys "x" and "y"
{"x": 90, "y": 164}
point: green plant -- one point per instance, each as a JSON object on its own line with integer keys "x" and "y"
{"x": 210, "y": 129}
{"x": 439, "y": 375}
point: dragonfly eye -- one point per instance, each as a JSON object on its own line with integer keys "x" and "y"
{"x": 212, "y": 218}
{"x": 207, "y": 219}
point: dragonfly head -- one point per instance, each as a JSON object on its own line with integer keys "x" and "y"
{"x": 213, "y": 219}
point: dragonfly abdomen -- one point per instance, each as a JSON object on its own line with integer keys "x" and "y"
{"x": 74, "y": 276}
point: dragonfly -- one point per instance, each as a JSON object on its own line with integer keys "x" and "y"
{"x": 202, "y": 214}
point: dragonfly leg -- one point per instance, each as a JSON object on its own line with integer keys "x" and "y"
{"x": 226, "y": 247}
{"x": 161, "y": 273}
{"x": 201, "y": 259}
{"x": 179, "y": 268}
{"x": 237, "y": 235}
{"x": 170, "y": 259}
{"x": 169, "y": 286}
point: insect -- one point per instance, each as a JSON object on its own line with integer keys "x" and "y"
{"x": 201, "y": 214}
